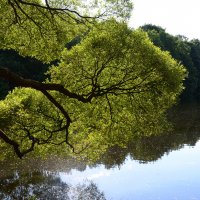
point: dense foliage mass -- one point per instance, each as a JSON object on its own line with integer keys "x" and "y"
{"x": 110, "y": 87}
{"x": 185, "y": 51}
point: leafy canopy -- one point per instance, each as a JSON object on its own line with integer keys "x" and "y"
{"x": 111, "y": 87}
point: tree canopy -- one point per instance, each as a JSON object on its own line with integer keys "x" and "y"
{"x": 185, "y": 51}
{"x": 113, "y": 85}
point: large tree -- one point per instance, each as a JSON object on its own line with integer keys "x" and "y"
{"x": 111, "y": 86}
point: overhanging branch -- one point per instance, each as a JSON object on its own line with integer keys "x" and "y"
{"x": 14, "y": 144}
{"x": 51, "y": 9}
{"x": 28, "y": 83}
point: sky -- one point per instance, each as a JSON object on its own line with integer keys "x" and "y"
{"x": 177, "y": 17}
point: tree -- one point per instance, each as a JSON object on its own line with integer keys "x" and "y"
{"x": 112, "y": 85}
{"x": 195, "y": 55}
{"x": 185, "y": 51}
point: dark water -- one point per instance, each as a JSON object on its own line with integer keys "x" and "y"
{"x": 156, "y": 168}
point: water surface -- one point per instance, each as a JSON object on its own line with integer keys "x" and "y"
{"x": 156, "y": 168}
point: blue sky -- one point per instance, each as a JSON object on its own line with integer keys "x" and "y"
{"x": 176, "y": 16}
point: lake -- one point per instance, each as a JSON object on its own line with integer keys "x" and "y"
{"x": 156, "y": 168}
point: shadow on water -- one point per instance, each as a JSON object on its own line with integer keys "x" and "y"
{"x": 39, "y": 179}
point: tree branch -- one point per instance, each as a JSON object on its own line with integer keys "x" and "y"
{"x": 49, "y": 8}
{"x": 28, "y": 83}
{"x": 15, "y": 145}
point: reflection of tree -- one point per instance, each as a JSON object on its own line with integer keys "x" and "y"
{"x": 32, "y": 164}
{"x": 45, "y": 186}
{"x": 87, "y": 192}
{"x": 146, "y": 149}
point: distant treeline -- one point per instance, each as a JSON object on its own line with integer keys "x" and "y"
{"x": 183, "y": 50}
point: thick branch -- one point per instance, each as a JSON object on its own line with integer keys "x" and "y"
{"x": 22, "y": 82}
{"x": 15, "y": 145}
{"x": 62, "y": 110}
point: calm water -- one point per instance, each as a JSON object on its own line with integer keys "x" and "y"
{"x": 157, "y": 168}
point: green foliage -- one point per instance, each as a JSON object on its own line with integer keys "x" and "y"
{"x": 113, "y": 85}
{"x": 131, "y": 84}
{"x": 41, "y": 33}
{"x": 33, "y": 32}
{"x": 186, "y": 52}
{"x": 195, "y": 55}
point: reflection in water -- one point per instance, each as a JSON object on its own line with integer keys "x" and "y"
{"x": 41, "y": 179}
{"x": 186, "y": 131}
{"x": 45, "y": 185}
